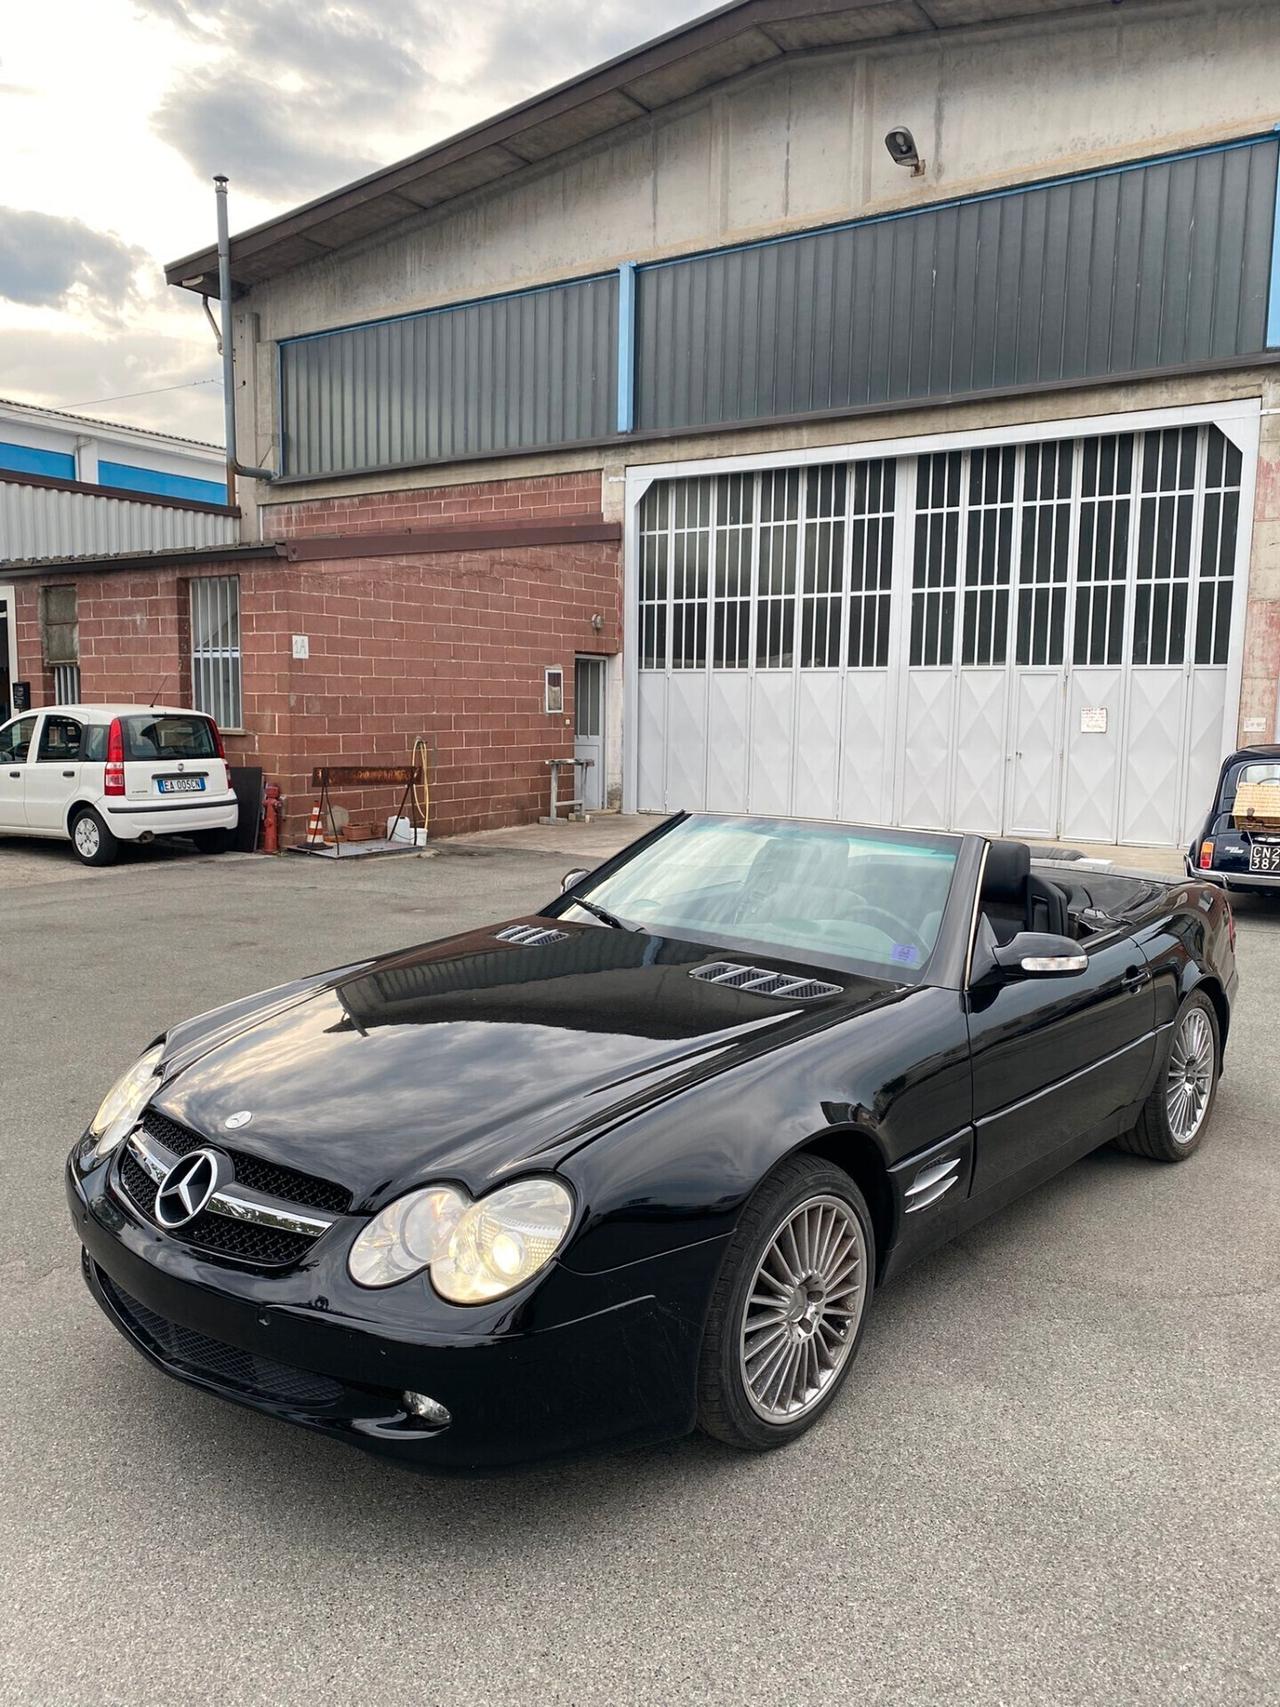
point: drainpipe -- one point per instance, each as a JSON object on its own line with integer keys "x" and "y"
{"x": 234, "y": 466}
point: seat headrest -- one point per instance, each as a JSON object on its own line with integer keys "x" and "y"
{"x": 1007, "y": 870}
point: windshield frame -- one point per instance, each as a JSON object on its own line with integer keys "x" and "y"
{"x": 945, "y": 965}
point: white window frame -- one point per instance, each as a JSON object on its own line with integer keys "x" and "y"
{"x": 217, "y": 671}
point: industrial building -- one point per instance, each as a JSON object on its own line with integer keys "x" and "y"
{"x": 72, "y": 486}
{"x": 867, "y": 408}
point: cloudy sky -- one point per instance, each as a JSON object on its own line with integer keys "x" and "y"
{"x": 114, "y": 114}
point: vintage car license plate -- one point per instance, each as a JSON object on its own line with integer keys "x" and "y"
{"x": 1265, "y": 857}
{"x": 180, "y": 784}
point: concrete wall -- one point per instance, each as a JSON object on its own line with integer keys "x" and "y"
{"x": 798, "y": 144}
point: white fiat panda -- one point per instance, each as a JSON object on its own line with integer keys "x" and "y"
{"x": 99, "y": 775}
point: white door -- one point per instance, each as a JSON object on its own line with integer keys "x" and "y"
{"x": 1035, "y": 639}
{"x": 588, "y": 729}
{"x": 15, "y": 751}
{"x": 53, "y": 775}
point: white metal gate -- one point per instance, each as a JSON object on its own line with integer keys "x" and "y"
{"x": 1038, "y": 636}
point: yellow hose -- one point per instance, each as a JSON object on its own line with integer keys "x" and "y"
{"x": 422, "y": 785}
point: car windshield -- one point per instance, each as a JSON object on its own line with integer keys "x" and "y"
{"x": 832, "y": 893}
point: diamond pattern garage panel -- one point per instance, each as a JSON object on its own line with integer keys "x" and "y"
{"x": 1026, "y": 639}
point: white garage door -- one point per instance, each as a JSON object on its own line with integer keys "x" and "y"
{"x": 1027, "y": 638}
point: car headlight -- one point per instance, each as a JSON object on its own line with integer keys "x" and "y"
{"x": 474, "y": 1251}
{"x": 124, "y": 1102}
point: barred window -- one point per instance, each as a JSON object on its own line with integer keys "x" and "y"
{"x": 1218, "y": 531}
{"x": 690, "y": 567}
{"x": 215, "y": 649}
{"x": 1166, "y": 513}
{"x": 779, "y": 550}
{"x": 1045, "y": 564}
{"x": 1103, "y": 553}
{"x": 822, "y": 588}
{"x": 731, "y": 584}
{"x": 871, "y": 563}
{"x": 655, "y": 546}
{"x": 988, "y": 566}
{"x": 937, "y": 554}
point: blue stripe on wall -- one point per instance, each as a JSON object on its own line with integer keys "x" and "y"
{"x": 25, "y": 459}
{"x": 626, "y": 346}
{"x": 133, "y": 479}
{"x": 1273, "y": 301}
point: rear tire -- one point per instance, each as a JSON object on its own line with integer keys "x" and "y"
{"x": 789, "y": 1307}
{"x": 1176, "y": 1115}
{"x": 91, "y": 841}
{"x": 212, "y": 841}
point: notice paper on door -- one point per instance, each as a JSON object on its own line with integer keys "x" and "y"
{"x": 1093, "y": 719}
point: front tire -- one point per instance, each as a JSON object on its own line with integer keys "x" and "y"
{"x": 91, "y": 840}
{"x": 1176, "y": 1115}
{"x": 789, "y": 1307}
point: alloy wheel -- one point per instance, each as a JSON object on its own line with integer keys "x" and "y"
{"x": 1190, "y": 1078}
{"x": 803, "y": 1307}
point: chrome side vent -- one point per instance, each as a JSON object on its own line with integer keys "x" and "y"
{"x": 532, "y": 936}
{"x": 761, "y": 982}
{"x": 930, "y": 1184}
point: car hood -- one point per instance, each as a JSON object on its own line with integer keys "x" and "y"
{"x": 470, "y": 1058}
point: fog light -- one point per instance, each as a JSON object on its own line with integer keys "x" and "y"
{"x": 427, "y": 1410}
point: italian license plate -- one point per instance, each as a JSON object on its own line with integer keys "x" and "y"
{"x": 1265, "y": 857}
{"x": 180, "y": 784}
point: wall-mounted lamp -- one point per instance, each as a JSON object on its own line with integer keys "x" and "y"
{"x": 903, "y": 151}
{"x": 597, "y": 623}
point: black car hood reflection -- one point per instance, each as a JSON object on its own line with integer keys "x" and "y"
{"x": 470, "y": 1058}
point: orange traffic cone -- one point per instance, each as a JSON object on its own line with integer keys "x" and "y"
{"x": 315, "y": 826}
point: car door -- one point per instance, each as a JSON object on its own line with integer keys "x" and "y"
{"x": 15, "y": 747}
{"x": 1057, "y": 1062}
{"x": 53, "y": 775}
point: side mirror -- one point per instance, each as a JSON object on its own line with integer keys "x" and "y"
{"x": 572, "y": 879}
{"x": 1038, "y": 954}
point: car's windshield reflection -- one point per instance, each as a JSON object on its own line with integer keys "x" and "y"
{"x": 856, "y": 895}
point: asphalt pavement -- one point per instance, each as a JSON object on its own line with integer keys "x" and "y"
{"x": 1054, "y": 1478}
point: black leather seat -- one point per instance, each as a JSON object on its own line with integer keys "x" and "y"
{"x": 1014, "y": 899}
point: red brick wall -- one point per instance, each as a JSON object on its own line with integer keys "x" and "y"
{"x": 494, "y": 502}
{"x": 449, "y": 647}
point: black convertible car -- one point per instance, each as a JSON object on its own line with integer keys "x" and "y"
{"x": 637, "y": 1163}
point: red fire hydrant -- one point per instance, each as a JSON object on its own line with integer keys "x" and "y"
{"x": 272, "y": 812}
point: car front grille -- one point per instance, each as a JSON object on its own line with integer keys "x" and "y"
{"x": 264, "y": 1247}
{"x": 220, "y": 1234}
{"x": 269, "y": 1177}
{"x": 225, "y": 1365}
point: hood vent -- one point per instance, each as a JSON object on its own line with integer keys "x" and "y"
{"x": 532, "y": 936}
{"x": 761, "y": 982}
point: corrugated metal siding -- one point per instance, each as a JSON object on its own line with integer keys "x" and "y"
{"x": 505, "y": 374}
{"x": 1143, "y": 268}
{"x": 41, "y": 521}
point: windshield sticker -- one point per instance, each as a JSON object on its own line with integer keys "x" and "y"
{"x": 905, "y": 955}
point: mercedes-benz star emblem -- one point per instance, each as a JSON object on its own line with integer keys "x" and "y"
{"x": 234, "y": 1122}
{"x": 187, "y": 1187}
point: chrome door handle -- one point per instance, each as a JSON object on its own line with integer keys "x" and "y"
{"x": 1134, "y": 978}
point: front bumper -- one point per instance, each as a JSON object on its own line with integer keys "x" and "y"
{"x": 1239, "y": 882}
{"x": 130, "y": 819}
{"x": 617, "y": 1369}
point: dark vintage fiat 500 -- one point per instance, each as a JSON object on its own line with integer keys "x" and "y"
{"x": 1233, "y": 849}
